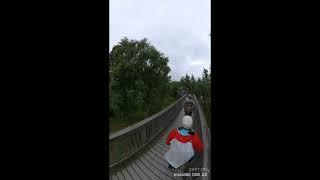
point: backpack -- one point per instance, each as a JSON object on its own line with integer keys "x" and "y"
{"x": 188, "y": 110}
{"x": 179, "y": 153}
{"x": 188, "y": 106}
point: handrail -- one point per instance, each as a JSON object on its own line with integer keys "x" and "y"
{"x": 141, "y": 123}
{"x": 206, "y": 139}
{"x": 128, "y": 141}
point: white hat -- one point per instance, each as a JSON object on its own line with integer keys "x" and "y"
{"x": 187, "y": 122}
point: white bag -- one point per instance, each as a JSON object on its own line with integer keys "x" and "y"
{"x": 179, "y": 153}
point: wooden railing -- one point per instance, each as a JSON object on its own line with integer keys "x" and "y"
{"x": 125, "y": 143}
{"x": 202, "y": 129}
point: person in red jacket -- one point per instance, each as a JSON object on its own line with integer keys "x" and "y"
{"x": 184, "y": 135}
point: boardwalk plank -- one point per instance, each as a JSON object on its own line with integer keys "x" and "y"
{"x": 146, "y": 170}
{"x": 160, "y": 150}
{"x": 126, "y": 174}
{"x": 154, "y": 169}
{"x": 164, "y": 170}
{"x": 133, "y": 174}
{"x": 160, "y": 143}
{"x": 114, "y": 177}
{"x": 139, "y": 171}
{"x": 161, "y": 156}
{"x": 120, "y": 175}
{"x": 158, "y": 159}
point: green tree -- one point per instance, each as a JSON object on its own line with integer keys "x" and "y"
{"x": 187, "y": 83}
{"x": 205, "y": 84}
{"x": 139, "y": 76}
{"x": 205, "y": 75}
{"x": 174, "y": 89}
{"x": 198, "y": 88}
{"x": 192, "y": 84}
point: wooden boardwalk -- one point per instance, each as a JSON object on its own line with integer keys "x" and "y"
{"x": 150, "y": 163}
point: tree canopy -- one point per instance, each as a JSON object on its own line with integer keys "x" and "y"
{"x": 199, "y": 87}
{"x": 140, "y": 81}
{"x": 139, "y": 76}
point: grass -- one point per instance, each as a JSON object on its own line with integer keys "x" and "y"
{"x": 117, "y": 123}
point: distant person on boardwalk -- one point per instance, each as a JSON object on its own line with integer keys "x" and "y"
{"x": 188, "y": 105}
{"x": 183, "y": 141}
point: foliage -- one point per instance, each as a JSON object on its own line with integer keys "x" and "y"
{"x": 139, "y": 76}
{"x": 140, "y": 84}
{"x": 200, "y": 87}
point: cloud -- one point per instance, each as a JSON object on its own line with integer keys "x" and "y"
{"x": 178, "y": 28}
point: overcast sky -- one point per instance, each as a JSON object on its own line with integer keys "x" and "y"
{"x": 178, "y": 28}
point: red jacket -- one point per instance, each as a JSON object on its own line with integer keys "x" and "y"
{"x": 194, "y": 139}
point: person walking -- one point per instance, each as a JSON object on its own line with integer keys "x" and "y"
{"x": 189, "y": 106}
{"x": 184, "y": 142}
